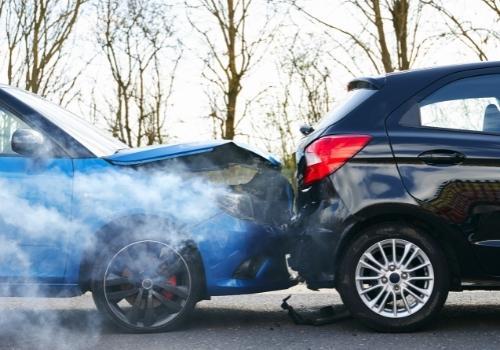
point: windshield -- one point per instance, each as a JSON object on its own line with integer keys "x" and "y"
{"x": 85, "y": 133}
{"x": 345, "y": 106}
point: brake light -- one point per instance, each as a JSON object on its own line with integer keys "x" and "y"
{"x": 327, "y": 154}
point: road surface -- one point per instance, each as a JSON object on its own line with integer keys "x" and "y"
{"x": 469, "y": 320}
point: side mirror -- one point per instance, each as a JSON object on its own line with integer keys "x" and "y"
{"x": 306, "y": 129}
{"x": 27, "y": 142}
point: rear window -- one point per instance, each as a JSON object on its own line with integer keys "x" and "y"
{"x": 345, "y": 106}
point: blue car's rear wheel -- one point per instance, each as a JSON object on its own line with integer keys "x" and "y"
{"x": 147, "y": 286}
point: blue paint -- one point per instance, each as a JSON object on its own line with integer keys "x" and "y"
{"x": 63, "y": 186}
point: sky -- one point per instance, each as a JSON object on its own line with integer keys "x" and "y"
{"x": 190, "y": 102}
{"x": 187, "y": 114}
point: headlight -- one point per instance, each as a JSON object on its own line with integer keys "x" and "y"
{"x": 238, "y": 205}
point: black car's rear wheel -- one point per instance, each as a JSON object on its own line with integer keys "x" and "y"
{"x": 146, "y": 286}
{"x": 394, "y": 277}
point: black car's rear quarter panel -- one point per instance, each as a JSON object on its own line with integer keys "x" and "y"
{"x": 332, "y": 208}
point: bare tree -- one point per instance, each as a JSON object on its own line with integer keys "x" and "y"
{"x": 312, "y": 78}
{"x": 494, "y": 5}
{"x": 475, "y": 37}
{"x": 232, "y": 53}
{"x": 37, "y": 33}
{"x": 303, "y": 94}
{"x": 135, "y": 36}
{"x": 388, "y": 38}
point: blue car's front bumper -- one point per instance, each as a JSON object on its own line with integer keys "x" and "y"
{"x": 242, "y": 256}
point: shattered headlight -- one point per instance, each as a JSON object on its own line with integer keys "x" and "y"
{"x": 234, "y": 175}
{"x": 238, "y": 205}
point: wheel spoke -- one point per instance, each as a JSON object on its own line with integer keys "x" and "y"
{"x": 169, "y": 304}
{"x": 425, "y": 264}
{"x": 371, "y": 288}
{"x": 372, "y": 259}
{"x": 133, "y": 313}
{"x": 421, "y": 278}
{"x": 420, "y": 290}
{"x": 394, "y": 258}
{"x": 394, "y": 304}
{"x": 407, "y": 307}
{"x": 405, "y": 253}
{"x": 120, "y": 264}
{"x": 382, "y": 303}
{"x": 367, "y": 278}
{"x": 419, "y": 299}
{"x": 180, "y": 291}
{"x": 412, "y": 256}
{"x": 170, "y": 269}
{"x": 119, "y": 295}
{"x": 374, "y": 301}
{"x": 130, "y": 256}
{"x": 382, "y": 252}
{"x": 117, "y": 281}
{"x": 365, "y": 264}
{"x": 149, "y": 315}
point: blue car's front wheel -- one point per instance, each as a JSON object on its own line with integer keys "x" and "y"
{"x": 147, "y": 286}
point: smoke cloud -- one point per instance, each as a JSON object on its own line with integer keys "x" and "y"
{"x": 46, "y": 218}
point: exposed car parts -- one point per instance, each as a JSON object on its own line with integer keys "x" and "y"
{"x": 325, "y": 315}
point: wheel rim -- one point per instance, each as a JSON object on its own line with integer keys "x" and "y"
{"x": 394, "y": 278}
{"x": 147, "y": 284}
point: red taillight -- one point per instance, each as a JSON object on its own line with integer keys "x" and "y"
{"x": 325, "y": 155}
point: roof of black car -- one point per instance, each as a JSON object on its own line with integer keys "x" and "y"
{"x": 448, "y": 69}
{"x": 421, "y": 74}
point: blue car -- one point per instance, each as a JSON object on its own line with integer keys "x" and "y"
{"x": 149, "y": 231}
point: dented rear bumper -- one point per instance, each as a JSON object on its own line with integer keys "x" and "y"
{"x": 317, "y": 234}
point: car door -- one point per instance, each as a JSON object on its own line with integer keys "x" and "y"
{"x": 35, "y": 210}
{"x": 446, "y": 142}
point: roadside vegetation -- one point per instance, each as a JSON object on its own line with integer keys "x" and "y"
{"x": 264, "y": 67}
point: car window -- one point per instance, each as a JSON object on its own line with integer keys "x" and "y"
{"x": 344, "y": 106}
{"x": 471, "y": 104}
{"x": 86, "y": 134}
{"x": 8, "y": 125}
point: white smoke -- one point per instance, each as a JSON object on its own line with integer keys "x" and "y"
{"x": 35, "y": 213}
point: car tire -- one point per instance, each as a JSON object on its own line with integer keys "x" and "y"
{"x": 410, "y": 292}
{"x": 147, "y": 285}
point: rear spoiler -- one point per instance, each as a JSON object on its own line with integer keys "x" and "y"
{"x": 366, "y": 83}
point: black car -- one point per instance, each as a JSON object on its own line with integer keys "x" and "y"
{"x": 399, "y": 194}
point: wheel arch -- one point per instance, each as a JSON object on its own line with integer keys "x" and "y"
{"x": 117, "y": 228}
{"x": 450, "y": 241}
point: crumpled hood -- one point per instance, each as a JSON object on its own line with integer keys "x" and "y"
{"x": 149, "y": 154}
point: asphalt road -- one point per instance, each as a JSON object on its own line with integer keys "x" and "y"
{"x": 469, "y": 320}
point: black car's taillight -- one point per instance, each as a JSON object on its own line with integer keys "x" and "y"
{"x": 327, "y": 154}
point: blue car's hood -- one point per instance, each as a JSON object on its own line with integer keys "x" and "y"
{"x": 148, "y": 154}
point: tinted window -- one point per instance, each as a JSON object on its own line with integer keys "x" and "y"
{"x": 352, "y": 100}
{"x": 8, "y": 124}
{"x": 471, "y": 104}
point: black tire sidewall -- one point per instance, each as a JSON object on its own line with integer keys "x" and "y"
{"x": 346, "y": 284}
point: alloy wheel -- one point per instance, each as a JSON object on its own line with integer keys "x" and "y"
{"x": 147, "y": 284}
{"x": 394, "y": 278}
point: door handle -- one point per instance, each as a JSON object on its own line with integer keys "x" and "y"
{"x": 441, "y": 157}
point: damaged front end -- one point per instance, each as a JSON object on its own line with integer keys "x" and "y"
{"x": 244, "y": 246}
{"x": 257, "y": 189}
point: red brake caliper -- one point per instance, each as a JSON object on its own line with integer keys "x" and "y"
{"x": 173, "y": 281}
